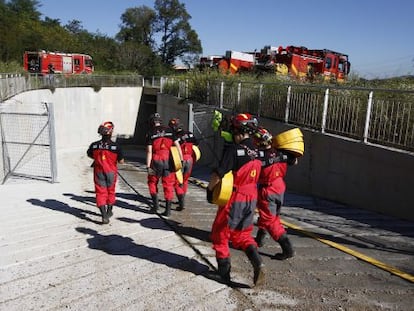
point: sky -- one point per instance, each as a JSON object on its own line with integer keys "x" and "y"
{"x": 377, "y": 35}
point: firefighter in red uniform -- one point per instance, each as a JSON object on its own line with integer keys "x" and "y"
{"x": 159, "y": 141}
{"x": 234, "y": 221}
{"x": 106, "y": 154}
{"x": 187, "y": 141}
{"x": 271, "y": 189}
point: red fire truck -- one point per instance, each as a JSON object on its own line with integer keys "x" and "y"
{"x": 235, "y": 62}
{"x": 297, "y": 62}
{"x": 44, "y": 62}
{"x": 301, "y": 62}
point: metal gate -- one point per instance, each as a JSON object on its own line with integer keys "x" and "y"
{"x": 210, "y": 143}
{"x": 28, "y": 147}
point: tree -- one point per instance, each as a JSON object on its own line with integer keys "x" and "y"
{"x": 138, "y": 26}
{"x": 25, "y": 8}
{"x": 177, "y": 36}
{"x": 19, "y": 23}
{"x": 74, "y": 27}
{"x": 138, "y": 57}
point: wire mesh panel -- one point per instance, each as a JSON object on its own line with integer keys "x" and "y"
{"x": 209, "y": 141}
{"x": 25, "y": 137}
{"x": 230, "y": 96}
{"x": 213, "y": 94}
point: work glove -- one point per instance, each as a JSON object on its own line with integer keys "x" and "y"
{"x": 228, "y": 137}
{"x": 215, "y": 123}
{"x": 209, "y": 196}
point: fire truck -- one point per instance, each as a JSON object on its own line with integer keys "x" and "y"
{"x": 44, "y": 62}
{"x": 235, "y": 62}
{"x": 294, "y": 61}
{"x": 304, "y": 63}
{"x": 209, "y": 62}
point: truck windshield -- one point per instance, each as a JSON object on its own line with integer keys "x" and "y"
{"x": 328, "y": 63}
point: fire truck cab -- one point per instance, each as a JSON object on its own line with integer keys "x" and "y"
{"x": 44, "y": 62}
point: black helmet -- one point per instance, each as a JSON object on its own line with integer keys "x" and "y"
{"x": 106, "y": 128}
{"x": 155, "y": 117}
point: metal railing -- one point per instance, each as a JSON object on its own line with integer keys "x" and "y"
{"x": 13, "y": 84}
{"x": 384, "y": 117}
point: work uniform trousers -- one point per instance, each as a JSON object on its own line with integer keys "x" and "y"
{"x": 105, "y": 183}
{"x": 269, "y": 204}
{"x": 181, "y": 188}
{"x": 160, "y": 165}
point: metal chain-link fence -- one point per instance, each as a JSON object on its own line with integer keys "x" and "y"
{"x": 27, "y": 141}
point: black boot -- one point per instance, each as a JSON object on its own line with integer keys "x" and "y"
{"x": 287, "y": 249}
{"x": 260, "y": 236}
{"x": 155, "y": 204}
{"x": 180, "y": 202}
{"x": 224, "y": 267}
{"x": 257, "y": 263}
{"x": 167, "y": 211}
{"x": 105, "y": 219}
{"x": 109, "y": 211}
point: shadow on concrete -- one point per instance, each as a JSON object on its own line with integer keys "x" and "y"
{"x": 65, "y": 208}
{"x": 154, "y": 223}
{"x": 349, "y": 213}
{"x": 135, "y": 197}
{"x": 119, "y": 203}
{"x": 114, "y": 244}
{"x": 366, "y": 220}
{"x": 348, "y": 241}
{"x": 90, "y": 200}
{"x": 193, "y": 232}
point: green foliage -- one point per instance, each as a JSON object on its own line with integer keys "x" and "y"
{"x": 132, "y": 50}
{"x": 11, "y": 67}
{"x": 396, "y": 83}
{"x": 138, "y": 26}
{"x": 177, "y": 37}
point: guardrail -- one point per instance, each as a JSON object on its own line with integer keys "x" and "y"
{"x": 377, "y": 116}
{"x": 12, "y": 84}
{"x": 384, "y": 117}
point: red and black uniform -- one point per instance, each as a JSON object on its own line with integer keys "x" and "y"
{"x": 187, "y": 141}
{"x": 161, "y": 139}
{"x": 271, "y": 189}
{"x": 234, "y": 221}
{"x": 106, "y": 155}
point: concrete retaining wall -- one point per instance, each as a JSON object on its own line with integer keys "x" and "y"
{"x": 337, "y": 169}
{"x": 346, "y": 171}
{"x": 79, "y": 111}
{"x": 350, "y": 172}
